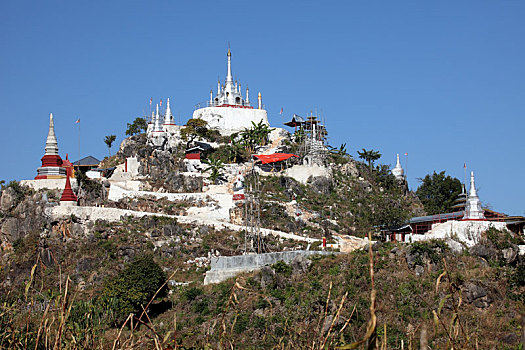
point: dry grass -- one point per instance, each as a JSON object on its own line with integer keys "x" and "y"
{"x": 382, "y": 306}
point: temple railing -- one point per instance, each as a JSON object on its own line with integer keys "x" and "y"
{"x": 208, "y": 104}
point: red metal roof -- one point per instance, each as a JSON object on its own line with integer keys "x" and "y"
{"x": 275, "y": 157}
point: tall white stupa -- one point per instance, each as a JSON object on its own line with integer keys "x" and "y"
{"x": 168, "y": 117}
{"x": 228, "y": 111}
{"x": 398, "y": 171}
{"x": 473, "y": 210}
{"x": 51, "y": 162}
{"x": 157, "y": 122}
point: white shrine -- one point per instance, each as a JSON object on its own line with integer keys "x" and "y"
{"x": 228, "y": 111}
{"x": 162, "y": 130}
{"x": 473, "y": 210}
{"x": 398, "y": 171}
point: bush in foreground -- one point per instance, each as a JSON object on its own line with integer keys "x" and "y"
{"x": 135, "y": 286}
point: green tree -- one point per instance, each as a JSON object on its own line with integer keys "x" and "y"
{"x": 214, "y": 167}
{"x": 438, "y": 192}
{"x": 109, "y": 141}
{"x": 257, "y": 135}
{"x": 339, "y": 155}
{"x": 235, "y": 151}
{"x": 135, "y": 286}
{"x": 370, "y": 156}
{"x": 194, "y": 128}
{"x": 139, "y": 125}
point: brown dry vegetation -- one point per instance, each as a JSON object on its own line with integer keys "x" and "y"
{"x": 302, "y": 305}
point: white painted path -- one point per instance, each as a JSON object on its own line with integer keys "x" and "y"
{"x": 115, "y": 215}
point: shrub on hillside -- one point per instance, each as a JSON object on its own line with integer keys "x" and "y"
{"x": 502, "y": 239}
{"x": 135, "y": 286}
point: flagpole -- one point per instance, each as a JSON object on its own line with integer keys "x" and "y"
{"x": 78, "y": 122}
{"x": 465, "y": 178}
{"x": 406, "y": 166}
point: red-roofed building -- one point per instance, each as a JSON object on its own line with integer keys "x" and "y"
{"x": 70, "y": 170}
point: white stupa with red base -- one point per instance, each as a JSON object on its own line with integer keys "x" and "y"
{"x": 51, "y": 162}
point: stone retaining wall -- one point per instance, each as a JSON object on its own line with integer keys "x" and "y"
{"x": 224, "y": 267}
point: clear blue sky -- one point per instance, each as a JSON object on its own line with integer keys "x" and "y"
{"x": 443, "y": 81}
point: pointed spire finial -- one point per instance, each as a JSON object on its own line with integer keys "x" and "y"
{"x": 51, "y": 141}
{"x": 472, "y": 192}
{"x": 167, "y": 117}
{"x": 473, "y": 209}
{"x": 156, "y": 125}
{"x": 229, "y": 78}
{"x": 398, "y": 171}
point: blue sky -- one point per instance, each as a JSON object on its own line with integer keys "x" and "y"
{"x": 443, "y": 81}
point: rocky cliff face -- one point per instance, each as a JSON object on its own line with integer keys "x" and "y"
{"x": 164, "y": 170}
{"x": 22, "y": 212}
{"x": 161, "y": 169}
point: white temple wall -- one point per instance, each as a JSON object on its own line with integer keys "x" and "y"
{"x": 229, "y": 120}
{"x": 50, "y": 184}
{"x": 133, "y": 165}
{"x": 457, "y": 233}
{"x": 302, "y": 173}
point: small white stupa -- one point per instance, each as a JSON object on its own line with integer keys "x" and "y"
{"x": 473, "y": 210}
{"x": 168, "y": 118}
{"x": 156, "y": 122}
{"x": 398, "y": 171}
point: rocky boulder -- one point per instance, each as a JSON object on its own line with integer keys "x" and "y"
{"x": 477, "y": 295}
{"x": 484, "y": 251}
{"x": 292, "y": 188}
{"x": 132, "y": 146}
{"x": 510, "y": 255}
{"x": 9, "y": 199}
{"x": 10, "y": 229}
{"x": 300, "y": 264}
{"x": 267, "y": 276}
{"x": 321, "y": 184}
{"x": 350, "y": 169}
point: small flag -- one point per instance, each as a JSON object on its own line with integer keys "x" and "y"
{"x": 281, "y": 112}
{"x": 406, "y": 154}
{"x": 150, "y": 100}
{"x": 78, "y": 121}
{"x": 161, "y": 102}
{"x": 465, "y": 165}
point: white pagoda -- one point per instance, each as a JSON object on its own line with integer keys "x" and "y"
{"x": 229, "y": 111}
{"x": 473, "y": 210}
{"x": 51, "y": 162}
{"x": 398, "y": 171}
